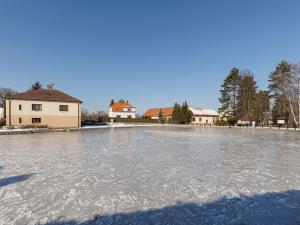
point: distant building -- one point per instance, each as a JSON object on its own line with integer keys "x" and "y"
{"x": 153, "y": 113}
{"x": 122, "y": 110}
{"x": 1, "y": 113}
{"x": 48, "y": 107}
{"x": 204, "y": 116}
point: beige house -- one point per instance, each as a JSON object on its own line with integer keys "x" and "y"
{"x": 47, "y": 107}
{"x": 204, "y": 116}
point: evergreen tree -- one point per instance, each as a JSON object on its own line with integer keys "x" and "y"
{"x": 112, "y": 102}
{"x": 161, "y": 116}
{"x": 229, "y": 93}
{"x": 35, "y": 86}
{"x": 283, "y": 89}
{"x": 186, "y": 114}
{"x": 246, "y": 98}
{"x": 176, "y": 113}
{"x": 181, "y": 114}
{"x": 280, "y": 108}
{"x": 262, "y": 106}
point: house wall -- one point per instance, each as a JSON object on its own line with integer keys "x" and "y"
{"x": 50, "y": 114}
{"x": 204, "y": 120}
{"x": 1, "y": 113}
{"x": 112, "y": 114}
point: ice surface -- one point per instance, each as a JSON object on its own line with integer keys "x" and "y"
{"x": 158, "y": 175}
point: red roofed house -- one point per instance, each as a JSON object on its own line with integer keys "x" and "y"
{"x": 122, "y": 110}
{"x": 153, "y": 113}
{"x": 43, "y": 107}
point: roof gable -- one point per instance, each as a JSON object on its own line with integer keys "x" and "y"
{"x": 119, "y": 106}
{"x": 45, "y": 95}
{"x": 154, "y": 112}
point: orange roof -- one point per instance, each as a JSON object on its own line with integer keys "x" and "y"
{"x": 154, "y": 112}
{"x": 119, "y": 106}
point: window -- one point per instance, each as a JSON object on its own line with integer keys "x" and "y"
{"x": 129, "y": 117}
{"x": 206, "y": 121}
{"x": 20, "y": 120}
{"x": 63, "y": 108}
{"x": 200, "y": 119}
{"x": 194, "y": 119}
{"x": 118, "y": 116}
{"x": 36, "y": 107}
{"x": 36, "y": 120}
{"x": 20, "y": 107}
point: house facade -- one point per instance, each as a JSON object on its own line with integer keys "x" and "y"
{"x": 204, "y": 116}
{"x": 1, "y": 113}
{"x": 122, "y": 110}
{"x": 154, "y": 113}
{"x": 48, "y": 107}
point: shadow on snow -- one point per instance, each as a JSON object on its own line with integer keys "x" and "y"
{"x": 282, "y": 208}
{"x": 15, "y": 179}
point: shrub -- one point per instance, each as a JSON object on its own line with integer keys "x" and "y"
{"x": 36, "y": 126}
{"x": 221, "y": 123}
{"x": 2, "y": 122}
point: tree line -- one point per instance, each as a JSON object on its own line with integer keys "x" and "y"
{"x": 241, "y": 100}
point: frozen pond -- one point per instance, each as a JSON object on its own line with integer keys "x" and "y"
{"x": 159, "y": 175}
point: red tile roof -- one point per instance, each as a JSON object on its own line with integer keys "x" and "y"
{"x": 45, "y": 95}
{"x": 154, "y": 112}
{"x": 119, "y": 106}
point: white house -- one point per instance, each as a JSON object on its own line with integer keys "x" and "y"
{"x": 204, "y": 116}
{"x": 1, "y": 113}
{"x": 122, "y": 110}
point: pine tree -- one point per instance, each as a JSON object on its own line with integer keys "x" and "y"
{"x": 35, "y": 86}
{"x": 262, "y": 106}
{"x": 229, "y": 93}
{"x": 246, "y": 98}
{"x": 112, "y": 102}
{"x": 186, "y": 114}
{"x": 280, "y": 108}
{"x": 176, "y": 113}
{"x": 283, "y": 89}
{"x": 161, "y": 116}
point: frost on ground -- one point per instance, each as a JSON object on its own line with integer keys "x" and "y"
{"x": 158, "y": 175}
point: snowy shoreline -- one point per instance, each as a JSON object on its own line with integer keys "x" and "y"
{"x": 124, "y": 125}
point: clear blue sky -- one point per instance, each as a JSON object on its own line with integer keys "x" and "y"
{"x": 152, "y": 53}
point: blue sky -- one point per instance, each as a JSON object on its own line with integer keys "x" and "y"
{"x": 152, "y": 53}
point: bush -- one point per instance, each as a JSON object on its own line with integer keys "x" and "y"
{"x": 131, "y": 120}
{"x": 221, "y": 123}
{"x": 232, "y": 120}
{"x": 35, "y": 126}
{"x": 2, "y": 122}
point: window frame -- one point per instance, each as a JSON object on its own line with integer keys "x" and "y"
{"x": 36, "y": 107}
{"x": 61, "y": 108}
{"x": 33, "y": 120}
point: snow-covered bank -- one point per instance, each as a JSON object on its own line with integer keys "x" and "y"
{"x": 44, "y": 130}
{"x": 128, "y": 125}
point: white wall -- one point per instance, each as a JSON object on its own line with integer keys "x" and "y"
{"x": 121, "y": 114}
{"x": 204, "y": 120}
{"x": 1, "y": 113}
